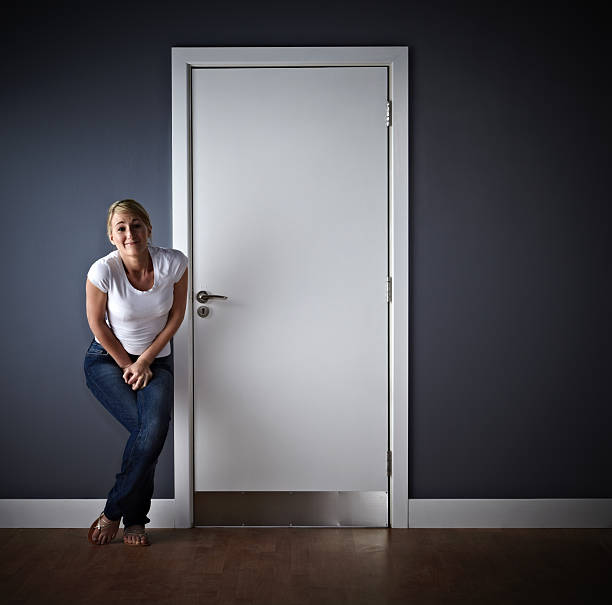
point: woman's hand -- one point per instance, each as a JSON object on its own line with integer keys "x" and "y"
{"x": 138, "y": 374}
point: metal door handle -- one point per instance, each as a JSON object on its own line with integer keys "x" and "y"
{"x": 203, "y": 296}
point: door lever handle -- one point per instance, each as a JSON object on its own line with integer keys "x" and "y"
{"x": 203, "y": 296}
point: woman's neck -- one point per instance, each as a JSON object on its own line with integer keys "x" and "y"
{"x": 140, "y": 265}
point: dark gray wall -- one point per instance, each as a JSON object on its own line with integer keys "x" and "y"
{"x": 510, "y": 228}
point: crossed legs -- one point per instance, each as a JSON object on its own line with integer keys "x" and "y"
{"x": 146, "y": 414}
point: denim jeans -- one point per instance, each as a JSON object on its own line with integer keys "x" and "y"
{"x": 146, "y": 414}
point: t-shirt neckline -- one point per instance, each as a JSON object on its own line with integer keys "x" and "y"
{"x": 129, "y": 283}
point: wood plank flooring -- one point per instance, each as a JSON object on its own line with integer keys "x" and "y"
{"x": 305, "y": 566}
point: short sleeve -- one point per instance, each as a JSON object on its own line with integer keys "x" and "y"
{"x": 99, "y": 275}
{"x": 179, "y": 264}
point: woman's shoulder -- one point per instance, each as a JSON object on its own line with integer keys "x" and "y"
{"x": 109, "y": 260}
{"x": 101, "y": 272}
{"x": 170, "y": 253}
{"x": 169, "y": 256}
{"x": 171, "y": 262}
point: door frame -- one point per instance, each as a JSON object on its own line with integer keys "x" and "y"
{"x": 395, "y": 58}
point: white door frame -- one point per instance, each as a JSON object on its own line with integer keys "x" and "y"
{"x": 395, "y": 58}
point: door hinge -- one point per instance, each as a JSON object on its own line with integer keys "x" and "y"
{"x": 389, "y": 288}
{"x": 388, "y": 113}
{"x": 389, "y": 463}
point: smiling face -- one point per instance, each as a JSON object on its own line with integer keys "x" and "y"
{"x": 129, "y": 233}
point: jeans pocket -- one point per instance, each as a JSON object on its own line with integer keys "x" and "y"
{"x": 95, "y": 348}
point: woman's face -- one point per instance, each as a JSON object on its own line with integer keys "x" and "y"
{"x": 129, "y": 234}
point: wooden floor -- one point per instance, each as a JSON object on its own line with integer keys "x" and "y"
{"x": 292, "y": 566}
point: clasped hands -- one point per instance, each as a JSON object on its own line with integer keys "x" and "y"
{"x": 137, "y": 374}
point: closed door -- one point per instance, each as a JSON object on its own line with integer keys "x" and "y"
{"x": 290, "y": 223}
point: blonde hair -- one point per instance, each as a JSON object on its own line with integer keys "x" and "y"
{"x": 131, "y": 206}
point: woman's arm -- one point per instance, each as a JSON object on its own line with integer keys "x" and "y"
{"x": 175, "y": 319}
{"x": 96, "y": 309}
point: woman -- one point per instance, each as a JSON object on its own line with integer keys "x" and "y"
{"x": 136, "y": 298}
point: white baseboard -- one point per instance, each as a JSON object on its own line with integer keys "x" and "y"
{"x": 534, "y": 513}
{"x": 72, "y": 513}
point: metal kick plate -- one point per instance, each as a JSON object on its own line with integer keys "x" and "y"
{"x": 291, "y": 509}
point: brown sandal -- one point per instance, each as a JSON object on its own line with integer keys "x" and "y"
{"x": 135, "y": 530}
{"x": 100, "y": 523}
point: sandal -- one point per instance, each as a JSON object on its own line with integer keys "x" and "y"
{"x": 100, "y": 523}
{"x": 136, "y": 530}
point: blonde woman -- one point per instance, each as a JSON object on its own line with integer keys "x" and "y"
{"x": 136, "y": 298}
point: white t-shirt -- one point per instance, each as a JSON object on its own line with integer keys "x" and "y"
{"x": 137, "y": 317}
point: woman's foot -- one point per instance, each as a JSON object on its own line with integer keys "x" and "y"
{"x": 103, "y": 530}
{"x": 134, "y": 535}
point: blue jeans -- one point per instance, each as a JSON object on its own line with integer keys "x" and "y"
{"x": 146, "y": 414}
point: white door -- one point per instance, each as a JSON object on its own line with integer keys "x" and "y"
{"x": 290, "y": 222}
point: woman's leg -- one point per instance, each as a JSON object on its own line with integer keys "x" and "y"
{"x": 133, "y": 489}
{"x": 145, "y": 413}
{"x": 105, "y": 380}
